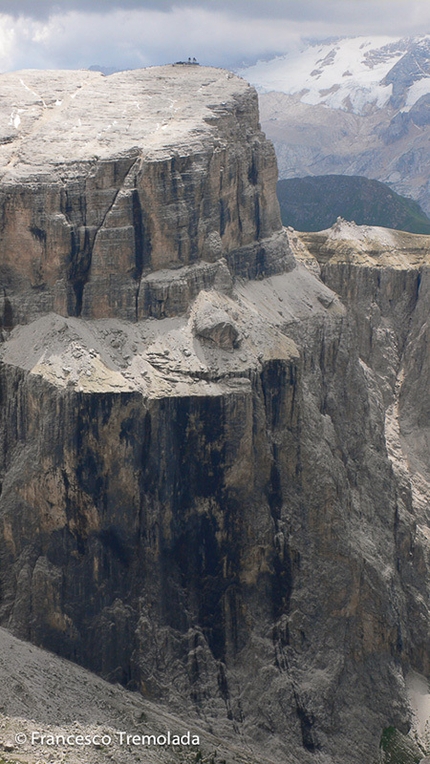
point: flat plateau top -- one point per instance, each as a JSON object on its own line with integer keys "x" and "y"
{"x": 55, "y": 118}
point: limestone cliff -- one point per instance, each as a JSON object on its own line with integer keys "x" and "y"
{"x": 206, "y": 492}
{"x": 383, "y": 276}
{"x": 106, "y": 179}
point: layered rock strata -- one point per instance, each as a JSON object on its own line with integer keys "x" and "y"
{"x": 383, "y": 276}
{"x": 106, "y": 179}
{"x": 201, "y": 496}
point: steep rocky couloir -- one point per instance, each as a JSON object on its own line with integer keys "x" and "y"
{"x": 201, "y": 497}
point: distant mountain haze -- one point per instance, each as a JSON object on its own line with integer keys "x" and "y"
{"x": 314, "y": 204}
{"x": 352, "y": 106}
{"x": 354, "y": 74}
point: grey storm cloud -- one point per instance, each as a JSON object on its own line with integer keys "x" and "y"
{"x": 360, "y": 12}
{"x": 292, "y": 9}
{"x": 43, "y": 8}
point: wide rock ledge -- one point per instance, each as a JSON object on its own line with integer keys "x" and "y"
{"x": 213, "y": 431}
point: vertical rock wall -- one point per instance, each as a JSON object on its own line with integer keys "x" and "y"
{"x": 133, "y": 179}
{"x": 220, "y": 504}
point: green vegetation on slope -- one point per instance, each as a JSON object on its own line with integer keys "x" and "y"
{"x": 398, "y": 749}
{"x": 314, "y": 203}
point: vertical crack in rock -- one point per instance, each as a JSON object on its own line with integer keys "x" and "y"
{"x": 141, "y": 238}
{"x": 306, "y": 726}
{"x": 80, "y": 264}
{"x": 83, "y": 236}
{"x": 276, "y": 386}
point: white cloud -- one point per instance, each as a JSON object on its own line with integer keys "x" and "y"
{"x": 7, "y": 42}
{"x": 136, "y": 37}
{"x": 141, "y": 37}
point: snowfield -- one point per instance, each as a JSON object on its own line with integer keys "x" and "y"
{"x": 347, "y": 74}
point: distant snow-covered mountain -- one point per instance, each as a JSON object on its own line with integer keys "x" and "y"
{"x": 351, "y": 74}
{"x": 351, "y": 106}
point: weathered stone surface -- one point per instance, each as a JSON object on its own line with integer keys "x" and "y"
{"x": 169, "y": 293}
{"x": 46, "y": 695}
{"x": 105, "y": 179}
{"x": 167, "y": 503}
{"x": 383, "y": 276}
{"x": 222, "y": 504}
{"x": 213, "y": 323}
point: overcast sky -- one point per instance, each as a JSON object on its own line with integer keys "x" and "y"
{"x": 80, "y": 33}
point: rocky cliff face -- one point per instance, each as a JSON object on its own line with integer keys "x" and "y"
{"x": 206, "y": 492}
{"x": 383, "y": 276}
{"x": 105, "y": 180}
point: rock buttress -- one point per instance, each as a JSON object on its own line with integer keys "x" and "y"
{"x": 202, "y": 504}
{"x": 106, "y": 179}
{"x": 201, "y": 522}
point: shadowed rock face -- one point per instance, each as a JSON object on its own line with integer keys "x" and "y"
{"x": 213, "y": 504}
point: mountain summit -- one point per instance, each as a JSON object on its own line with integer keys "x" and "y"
{"x": 353, "y": 74}
{"x": 353, "y": 106}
